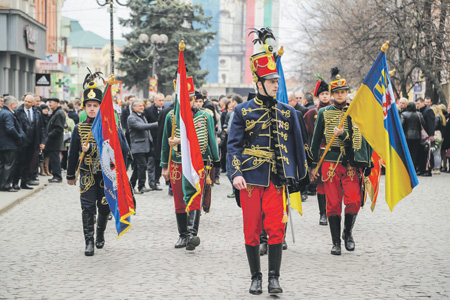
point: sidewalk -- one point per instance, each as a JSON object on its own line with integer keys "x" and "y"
{"x": 8, "y": 199}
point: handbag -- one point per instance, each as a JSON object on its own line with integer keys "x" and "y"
{"x": 423, "y": 133}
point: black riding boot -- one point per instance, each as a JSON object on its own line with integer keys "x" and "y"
{"x": 275, "y": 252}
{"x": 193, "y": 220}
{"x": 88, "y": 230}
{"x": 182, "y": 229}
{"x": 349, "y": 221}
{"x": 263, "y": 243}
{"x": 335, "y": 229}
{"x": 102, "y": 220}
{"x": 285, "y": 246}
{"x": 255, "y": 269}
{"x": 322, "y": 209}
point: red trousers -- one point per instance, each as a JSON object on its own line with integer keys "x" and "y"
{"x": 176, "y": 175}
{"x": 255, "y": 202}
{"x": 342, "y": 184}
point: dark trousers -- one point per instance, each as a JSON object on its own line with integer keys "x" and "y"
{"x": 8, "y": 162}
{"x": 64, "y": 159}
{"x": 93, "y": 197}
{"x": 55, "y": 163}
{"x": 151, "y": 171}
{"x": 414, "y": 149}
{"x": 24, "y": 158}
{"x": 34, "y": 165}
{"x": 139, "y": 169}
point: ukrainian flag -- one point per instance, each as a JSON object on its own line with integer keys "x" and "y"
{"x": 374, "y": 111}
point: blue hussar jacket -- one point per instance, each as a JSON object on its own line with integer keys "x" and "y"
{"x": 265, "y": 144}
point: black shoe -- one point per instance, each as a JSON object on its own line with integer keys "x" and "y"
{"x": 155, "y": 188}
{"x": 304, "y": 196}
{"x": 138, "y": 191}
{"x": 323, "y": 220}
{"x": 182, "y": 230}
{"x": 275, "y": 253}
{"x": 102, "y": 221}
{"x": 88, "y": 230}
{"x": 349, "y": 222}
{"x": 284, "y": 244}
{"x": 144, "y": 190}
{"x": 262, "y": 249}
{"x": 322, "y": 201}
{"x": 335, "y": 228}
{"x": 170, "y": 192}
{"x": 253, "y": 253}
{"x": 426, "y": 174}
{"x": 16, "y": 187}
{"x": 193, "y": 221}
{"x": 10, "y": 189}
{"x": 33, "y": 182}
{"x": 54, "y": 180}
{"x": 110, "y": 217}
{"x": 25, "y": 187}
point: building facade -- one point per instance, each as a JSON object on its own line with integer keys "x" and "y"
{"x": 23, "y": 42}
{"x": 227, "y": 58}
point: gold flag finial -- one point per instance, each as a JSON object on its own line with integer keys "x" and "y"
{"x": 281, "y": 51}
{"x": 111, "y": 80}
{"x": 182, "y": 46}
{"x": 385, "y": 46}
{"x": 392, "y": 72}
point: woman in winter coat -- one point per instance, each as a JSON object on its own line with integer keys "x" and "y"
{"x": 411, "y": 120}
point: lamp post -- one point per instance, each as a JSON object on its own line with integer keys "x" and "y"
{"x": 111, "y": 12}
{"x": 156, "y": 42}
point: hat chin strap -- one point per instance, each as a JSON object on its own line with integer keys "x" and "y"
{"x": 262, "y": 80}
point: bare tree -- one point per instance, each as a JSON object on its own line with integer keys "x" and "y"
{"x": 348, "y": 34}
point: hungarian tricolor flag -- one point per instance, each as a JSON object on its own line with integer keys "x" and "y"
{"x": 191, "y": 157}
{"x": 117, "y": 187}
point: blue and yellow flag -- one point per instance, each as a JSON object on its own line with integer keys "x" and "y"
{"x": 374, "y": 111}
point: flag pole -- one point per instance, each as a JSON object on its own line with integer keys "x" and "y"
{"x": 181, "y": 47}
{"x": 383, "y": 48}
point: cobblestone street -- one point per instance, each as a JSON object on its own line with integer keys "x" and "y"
{"x": 399, "y": 255}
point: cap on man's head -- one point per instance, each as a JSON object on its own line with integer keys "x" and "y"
{"x": 52, "y": 99}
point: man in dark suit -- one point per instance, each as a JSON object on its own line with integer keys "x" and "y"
{"x": 161, "y": 122}
{"x": 55, "y": 138}
{"x": 30, "y": 120}
{"x": 11, "y": 137}
{"x": 151, "y": 113}
{"x": 295, "y": 104}
{"x": 425, "y": 167}
{"x": 141, "y": 143}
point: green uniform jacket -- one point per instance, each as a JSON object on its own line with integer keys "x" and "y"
{"x": 354, "y": 148}
{"x": 204, "y": 126}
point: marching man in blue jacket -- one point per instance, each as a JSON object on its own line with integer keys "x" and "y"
{"x": 266, "y": 155}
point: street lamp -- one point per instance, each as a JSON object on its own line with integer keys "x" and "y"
{"x": 111, "y": 10}
{"x": 156, "y": 42}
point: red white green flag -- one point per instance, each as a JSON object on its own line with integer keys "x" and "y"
{"x": 191, "y": 157}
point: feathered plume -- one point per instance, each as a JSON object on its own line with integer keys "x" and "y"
{"x": 319, "y": 77}
{"x": 262, "y": 35}
{"x": 91, "y": 77}
{"x": 334, "y": 71}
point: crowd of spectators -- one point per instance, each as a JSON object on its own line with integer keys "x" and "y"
{"x": 426, "y": 133}
{"x": 35, "y": 135}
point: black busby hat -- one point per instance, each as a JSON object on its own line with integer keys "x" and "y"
{"x": 92, "y": 93}
{"x": 321, "y": 86}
